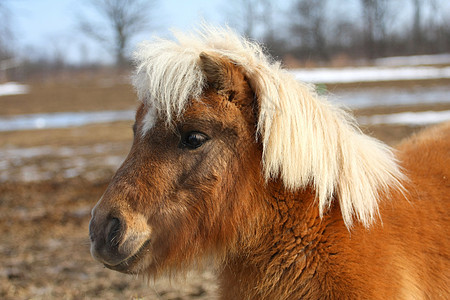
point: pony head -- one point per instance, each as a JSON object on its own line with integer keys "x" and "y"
{"x": 218, "y": 121}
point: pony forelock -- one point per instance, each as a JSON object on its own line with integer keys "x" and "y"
{"x": 306, "y": 140}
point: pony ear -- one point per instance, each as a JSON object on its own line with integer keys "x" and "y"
{"x": 221, "y": 75}
{"x": 214, "y": 70}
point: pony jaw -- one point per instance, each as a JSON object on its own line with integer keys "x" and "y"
{"x": 139, "y": 261}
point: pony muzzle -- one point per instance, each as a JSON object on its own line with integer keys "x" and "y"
{"x": 116, "y": 242}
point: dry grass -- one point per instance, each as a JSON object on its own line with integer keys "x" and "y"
{"x": 82, "y": 96}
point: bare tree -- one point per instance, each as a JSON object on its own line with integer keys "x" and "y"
{"x": 417, "y": 28}
{"x": 255, "y": 19}
{"x": 242, "y": 15}
{"x": 121, "y": 20}
{"x": 374, "y": 14}
{"x": 248, "y": 17}
{"x": 440, "y": 25}
{"x": 324, "y": 29}
{"x": 309, "y": 26}
{"x": 427, "y": 35}
{"x": 5, "y": 31}
{"x": 272, "y": 35}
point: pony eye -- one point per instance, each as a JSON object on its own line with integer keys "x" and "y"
{"x": 193, "y": 139}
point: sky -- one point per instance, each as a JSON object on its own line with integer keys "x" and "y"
{"x": 44, "y": 27}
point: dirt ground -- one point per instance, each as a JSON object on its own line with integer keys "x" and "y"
{"x": 44, "y": 248}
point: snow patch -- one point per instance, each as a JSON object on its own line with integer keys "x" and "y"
{"x": 414, "y": 60}
{"x": 369, "y": 74}
{"x": 13, "y": 88}
{"x": 376, "y": 96}
{"x": 62, "y": 120}
{"x": 407, "y": 118}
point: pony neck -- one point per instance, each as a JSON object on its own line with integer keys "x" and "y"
{"x": 289, "y": 244}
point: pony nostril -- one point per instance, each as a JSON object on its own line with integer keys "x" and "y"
{"x": 114, "y": 230}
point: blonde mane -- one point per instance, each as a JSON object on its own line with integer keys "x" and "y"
{"x": 305, "y": 139}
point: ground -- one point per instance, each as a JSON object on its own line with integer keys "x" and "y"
{"x": 44, "y": 249}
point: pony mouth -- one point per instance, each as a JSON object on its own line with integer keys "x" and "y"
{"x": 128, "y": 265}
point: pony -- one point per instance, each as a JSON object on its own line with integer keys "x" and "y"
{"x": 234, "y": 162}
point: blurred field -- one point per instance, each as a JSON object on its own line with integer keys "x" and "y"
{"x": 44, "y": 253}
{"x": 80, "y": 95}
